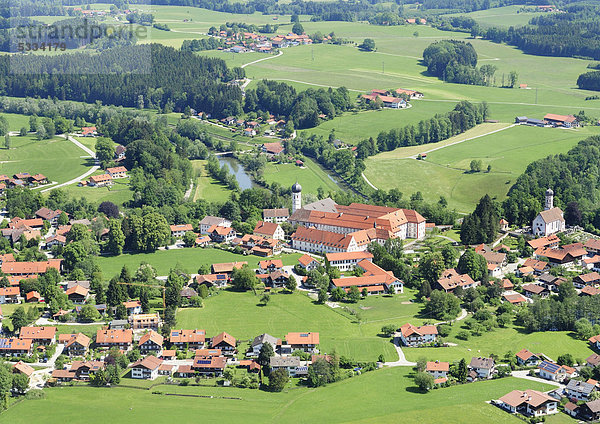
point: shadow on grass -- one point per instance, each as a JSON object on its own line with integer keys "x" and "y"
{"x": 414, "y": 389}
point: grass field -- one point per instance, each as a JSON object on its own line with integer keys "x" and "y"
{"x": 58, "y": 159}
{"x": 206, "y": 187}
{"x": 310, "y": 177}
{"x": 503, "y": 340}
{"x": 381, "y": 396}
{"x": 502, "y": 16}
{"x": 445, "y": 171}
{"x": 188, "y": 259}
{"x": 119, "y": 193}
{"x": 16, "y": 121}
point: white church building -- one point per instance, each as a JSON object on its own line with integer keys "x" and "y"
{"x": 550, "y": 221}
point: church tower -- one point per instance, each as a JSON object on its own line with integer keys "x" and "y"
{"x": 549, "y": 199}
{"x": 296, "y": 197}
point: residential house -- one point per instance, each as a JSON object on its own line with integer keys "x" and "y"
{"x": 75, "y": 344}
{"x": 276, "y": 278}
{"x": 590, "y": 279}
{"x": 22, "y": 368}
{"x": 30, "y": 268}
{"x": 209, "y": 221}
{"x": 529, "y": 402}
{"x": 225, "y": 342}
{"x": 117, "y": 172}
{"x": 595, "y": 341}
{"x": 579, "y": 390}
{"x": 308, "y": 262}
{"x": 527, "y": 358}
{"x": 531, "y": 290}
{"x": 55, "y": 240}
{"x": 178, "y": 231}
{"x": 306, "y": 342}
{"x": 258, "y": 343}
{"x": 15, "y": 347}
{"x": 550, "y": 282}
{"x": 187, "y": 339}
{"x": 590, "y": 411}
{"x": 483, "y": 367}
{"x": 101, "y": 180}
{"x": 63, "y": 376}
{"x": 145, "y": 321}
{"x": 551, "y": 371}
{"x": 49, "y": 215}
{"x": 593, "y": 360}
{"x": 146, "y": 368}
{"x": 269, "y": 230}
{"x": 270, "y": 266}
{"x": 589, "y": 291}
{"x": 375, "y": 279}
{"x": 347, "y": 261}
{"x": 451, "y": 279}
{"x": 89, "y": 131}
{"x": 411, "y": 336}
{"x": 84, "y": 369}
{"x": 438, "y": 370}
{"x": 133, "y": 307}
{"x": 227, "y": 267}
{"x": 120, "y": 152}
{"x": 151, "y": 342}
{"x": 288, "y": 363}
{"x": 9, "y": 294}
{"x": 213, "y": 366}
{"x": 592, "y": 246}
{"x": 276, "y": 215}
{"x": 552, "y": 241}
{"x": 272, "y": 149}
{"x": 220, "y": 234}
{"x": 38, "y": 335}
{"x": 121, "y": 339}
{"x": 78, "y": 294}
{"x": 213, "y": 280}
{"x": 571, "y": 409}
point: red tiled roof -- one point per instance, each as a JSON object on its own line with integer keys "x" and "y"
{"x": 152, "y": 336}
{"x": 302, "y": 338}
{"x": 114, "y": 336}
{"x": 223, "y": 337}
{"x": 46, "y": 333}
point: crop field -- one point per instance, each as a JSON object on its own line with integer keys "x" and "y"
{"x": 310, "y": 177}
{"x": 188, "y": 259}
{"x": 360, "y": 399}
{"x": 446, "y": 172}
{"x": 58, "y": 159}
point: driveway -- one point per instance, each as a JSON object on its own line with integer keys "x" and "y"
{"x": 524, "y": 374}
{"x": 401, "y": 362}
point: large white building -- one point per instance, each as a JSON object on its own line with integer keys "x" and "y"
{"x": 550, "y": 220}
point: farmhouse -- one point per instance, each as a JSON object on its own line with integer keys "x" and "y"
{"x": 438, "y": 369}
{"x": 551, "y": 241}
{"x": 529, "y": 402}
{"x": 375, "y": 279}
{"x": 412, "y": 336}
{"x": 101, "y": 180}
{"x": 272, "y": 149}
{"x": 550, "y": 220}
{"x": 412, "y": 94}
{"x": 227, "y": 267}
{"x": 567, "y": 121}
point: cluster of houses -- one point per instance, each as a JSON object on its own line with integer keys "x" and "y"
{"x": 251, "y": 128}
{"x": 396, "y": 99}
{"x": 106, "y": 179}
{"x": 21, "y": 179}
{"x": 245, "y": 42}
{"x": 550, "y": 120}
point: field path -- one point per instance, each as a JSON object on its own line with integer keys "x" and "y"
{"x": 260, "y": 60}
{"x": 83, "y": 176}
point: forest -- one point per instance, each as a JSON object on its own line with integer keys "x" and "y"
{"x": 575, "y": 178}
{"x": 145, "y": 76}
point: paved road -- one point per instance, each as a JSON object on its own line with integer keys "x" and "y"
{"x": 260, "y": 60}
{"x": 401, "y": 362}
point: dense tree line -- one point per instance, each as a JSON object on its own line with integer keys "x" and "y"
{"x": 572, "y": 34}
{"x": 482, "y": 225}
{"x": 574, "y": 177}
{"x": 202, "y": 44}
{"x": 137, "y": 76}
{"x": 589, "y": 81}
{"x": 302, "y": 108}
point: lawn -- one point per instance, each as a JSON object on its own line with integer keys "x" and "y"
{"x": 118, "y": 193}
{"x": 16, "y": 121}
{"x": 503, "y": 340}
{"x": 58, "y": 159}
{"x": 188, "y": 259}
{"x": 310, "y": 177}
{"x": 206, "y": 187}
{"x": 445, "y": 172}
{"x": 356, "y": 400}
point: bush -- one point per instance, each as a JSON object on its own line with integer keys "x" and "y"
{"x": 444, "y": 330}
{"x": 463, "y": 335}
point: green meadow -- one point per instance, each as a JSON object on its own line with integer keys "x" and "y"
{"x": 206, "y": 187}
{"x": 58, "y": 159}
{"x": 311, "y": 176}
{"x": 188, "y": 259}
{"x": 503, "y": 16}
{"x": 386, "y": 395}
{"x": 446, "y": 172}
